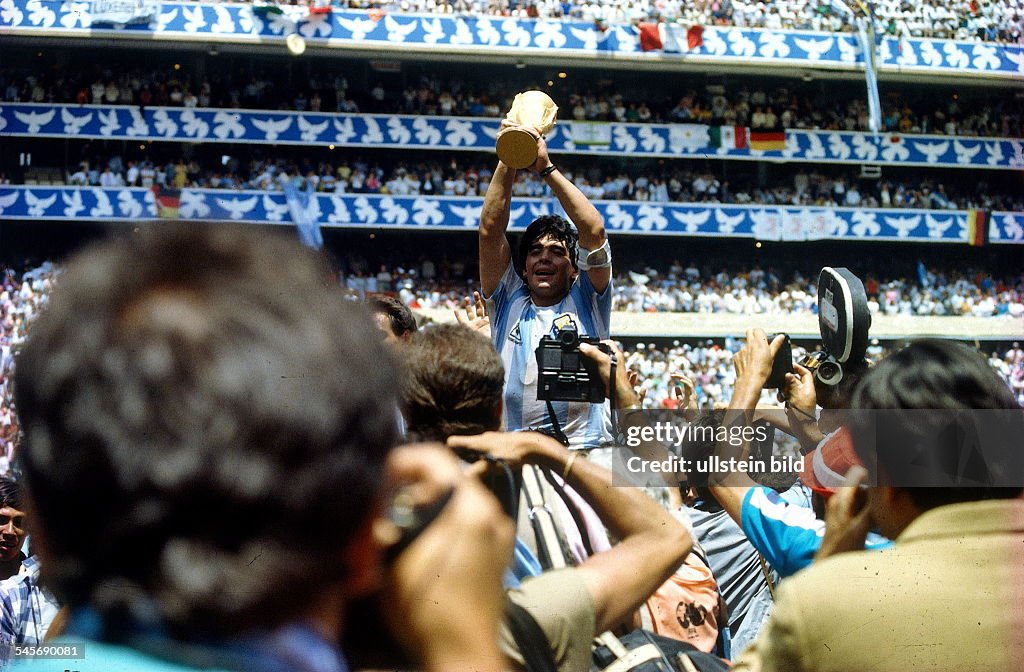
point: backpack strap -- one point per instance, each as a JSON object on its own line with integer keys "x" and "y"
{"x": 767, "y": 576}
{"x": 629, "y": 659}
{"x": 530, "y": 638}
{"x": 549, "y": 545}
{"x": 574, "y": 511}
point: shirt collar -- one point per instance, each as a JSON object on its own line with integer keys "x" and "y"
{"x": 966, "y": 519}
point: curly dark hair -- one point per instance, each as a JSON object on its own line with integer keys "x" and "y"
{"x": 557, "y": 227}
{"x": 206, "y": 424}
{"x": 10, "y": 493}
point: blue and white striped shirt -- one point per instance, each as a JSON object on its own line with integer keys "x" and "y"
{"x": 26, "y": 609}
{"x": 517, "y": 327}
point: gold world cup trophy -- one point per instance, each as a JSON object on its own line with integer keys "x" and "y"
{"x": 517, "y": 147}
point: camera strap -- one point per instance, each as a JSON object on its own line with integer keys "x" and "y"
{"x": 611, "y": 401}
{"x": 556, "y": 427}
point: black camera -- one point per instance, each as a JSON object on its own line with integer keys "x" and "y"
{"x": 563, "y": 374}
{"x": 844, "y": 321}
{"x": 781, "y": 365}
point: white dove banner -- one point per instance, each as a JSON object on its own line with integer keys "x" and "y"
{"x": 122, "y": 12}
{"x": 208, "y": 125}
{"x": 213, "y": 23}
{"x": 463, "y": 213}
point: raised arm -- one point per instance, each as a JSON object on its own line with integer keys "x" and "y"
{"x": 495, "y": 252}
{"x": 653, "y": 543}
{"x": 581, "y": 211}
{"x": 753, "y": 366}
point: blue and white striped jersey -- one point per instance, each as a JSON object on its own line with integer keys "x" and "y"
{"x": 517, "y": 327}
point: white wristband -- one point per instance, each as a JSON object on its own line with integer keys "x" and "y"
{"x": 599, "y": 258}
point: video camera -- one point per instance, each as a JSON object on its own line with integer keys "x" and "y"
{"x": 844, "y": 321}
{"x": 563, "y": 374}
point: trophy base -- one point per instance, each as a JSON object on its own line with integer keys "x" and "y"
{"x": 516, "y": 148}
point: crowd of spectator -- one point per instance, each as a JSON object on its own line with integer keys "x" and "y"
{"x": 22, "y": 296}
{"x": 690, "y": 288}
{"x": 358, "y": 175}
{"x": 758, "y": 107}
{"x": 707, "y": 289}
{"x": 992, "y": 21}
{"x": 204, "y": 422}
{"x": 709, "y": 366}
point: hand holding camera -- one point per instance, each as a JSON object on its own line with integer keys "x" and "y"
{"x": 756, "y": 361}
{"x": 451, "y": 574}
{"x": 625, "y": 382}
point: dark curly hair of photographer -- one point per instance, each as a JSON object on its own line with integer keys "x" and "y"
{"x": 195, "y": 400}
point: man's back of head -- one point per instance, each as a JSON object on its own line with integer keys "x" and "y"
{"x": 903, "y": 409}
{"x": 206, "y": 424}
{"x": 393, "y": 318}
{"x": 454, "y": 382}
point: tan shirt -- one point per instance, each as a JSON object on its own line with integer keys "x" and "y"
{"x": 563, "y": 608}
{"x": 948, "y": 597}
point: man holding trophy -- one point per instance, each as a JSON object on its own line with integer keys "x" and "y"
{"x": 558, "y": 285}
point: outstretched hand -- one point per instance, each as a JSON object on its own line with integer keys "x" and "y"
{"x": 474, "y": 314}
{"x": 685, "y": 393}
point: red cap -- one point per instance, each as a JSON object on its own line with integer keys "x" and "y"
{"x": 825, "y": 467}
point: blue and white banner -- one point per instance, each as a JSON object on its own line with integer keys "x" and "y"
{"x": 240, "y": 23}
{"x": 476, "y": 134}
{"x": 305, "y": 212}
{"x": 462, "y": 213}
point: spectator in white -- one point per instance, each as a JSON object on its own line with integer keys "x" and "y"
{"x": 132, "y": 175}
{"x": 110, "y": 179}
{"x": 80, "y": 177}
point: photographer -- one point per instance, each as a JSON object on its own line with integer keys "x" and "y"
{"x": 453, "y": 391}
{"x": 787, "y": 535}
{"x": 208, "y": 454}
{"x": 544, "y": 291}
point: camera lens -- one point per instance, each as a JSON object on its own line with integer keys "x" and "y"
{"x": 830, "y": 373}
{"x": 569, "y": 338}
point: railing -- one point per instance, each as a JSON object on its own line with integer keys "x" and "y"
{"x": 498, "y": 36}
{"x": 477, "y": 134}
